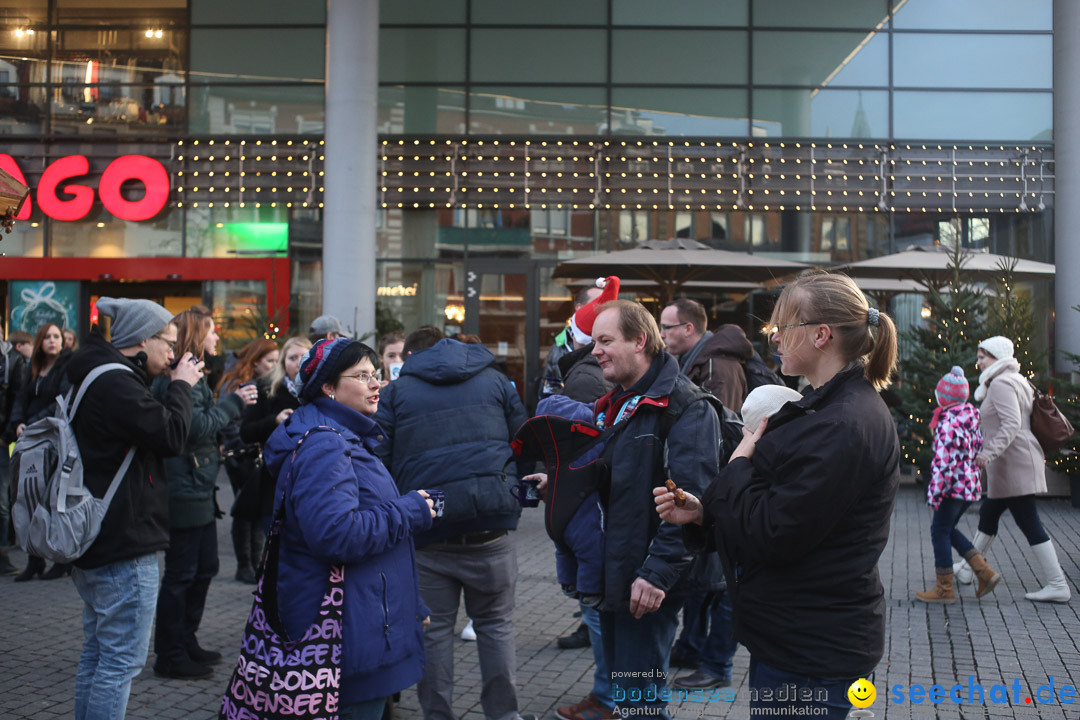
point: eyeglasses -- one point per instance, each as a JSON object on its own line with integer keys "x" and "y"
{"x": 665, "y": 328}
{"x": 366, "y": 378}
{"x": 170, "y": 343}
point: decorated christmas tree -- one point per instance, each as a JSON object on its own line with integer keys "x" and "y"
{"x": 949, "y": 336}
{"x": 1067, "y": 395}
{"x": 1009, "y": 314}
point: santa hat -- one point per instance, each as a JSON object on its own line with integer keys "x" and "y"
{"x": 952, "y": 388}
{"x": 581, "y": 323}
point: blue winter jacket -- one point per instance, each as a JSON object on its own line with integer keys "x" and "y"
{"x": 341, "y": 506}
{"x": 449, "y": 419}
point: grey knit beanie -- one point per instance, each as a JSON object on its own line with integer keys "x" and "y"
{"x": 133, "y": 320}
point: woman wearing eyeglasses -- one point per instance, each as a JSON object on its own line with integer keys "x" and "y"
{"x": 801, "y": 512}
{"x": 341, "y": 507}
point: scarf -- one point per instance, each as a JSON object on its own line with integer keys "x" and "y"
{"x": 999, "y": 366}
{"x": 293, "y": 386}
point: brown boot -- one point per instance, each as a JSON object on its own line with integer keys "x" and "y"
{"x": 942, "y": 592}
{"x": 987, "y": 577}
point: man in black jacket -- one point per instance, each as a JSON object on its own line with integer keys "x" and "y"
{"x": 13, "y": 369}
{"x": 117, "y": 577}
{"x": 645, "y": 562}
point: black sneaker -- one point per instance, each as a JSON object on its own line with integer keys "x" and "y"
{"x": 204, "y": 657}
{"x": 577, "y": 639}
{"x": 182, "y": 669}
{"x": 700, "y": 680}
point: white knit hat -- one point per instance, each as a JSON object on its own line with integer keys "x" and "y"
{"x": 764, "y": 401}
{"x": 998, "y": 346}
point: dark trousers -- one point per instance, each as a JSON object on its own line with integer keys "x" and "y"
{"x": 708, "y": 635}
{"x": 190, "y": 563}
{"x": 1024, "y": 511}
{"x": 637, "y": 653}
{"x": 775, "y": 692}
{"x": 943, "y": 533}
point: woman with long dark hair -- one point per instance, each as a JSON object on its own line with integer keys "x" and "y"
{"x": 191, "y": 560}
{"x": 801, "y": 512}
{"x": 33, "y": 402}
{"x": 255, "y": 362}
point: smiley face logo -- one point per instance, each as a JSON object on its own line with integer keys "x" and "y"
{"x": 862, "y": 693}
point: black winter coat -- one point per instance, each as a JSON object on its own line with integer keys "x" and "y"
{"x": 14, "y": 374}
{"x": 256, "y": 427}
{"x": 638, "y": 543}
{"x": 36, "y": 397}
{"x": 801, "y": 526}
{"x": 583, "y": 380}
{"x": 116, "y": 413}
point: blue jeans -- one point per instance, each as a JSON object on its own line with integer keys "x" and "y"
{"x": 119, "y": 609}
{"x": 637, "y": 653}
{"x": 943, "y": 533}
{"x": 1024, "y": 512}
{"x": 601, "y": 687}
{"x": 768, "y": 684}
{"x": 366, "y": 710}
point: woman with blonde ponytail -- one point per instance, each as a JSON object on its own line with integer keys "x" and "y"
{"x": 801, "y": 512}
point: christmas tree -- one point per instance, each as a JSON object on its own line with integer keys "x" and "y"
{"x": 1067, "y": 396}
{"x": 1009, "y": 314}
{"x": 948, "y": 337}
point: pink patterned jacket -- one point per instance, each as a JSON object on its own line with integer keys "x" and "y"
{"x": 957, "y": 440}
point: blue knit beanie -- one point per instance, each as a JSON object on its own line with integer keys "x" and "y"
{"x": 319, "y": 365}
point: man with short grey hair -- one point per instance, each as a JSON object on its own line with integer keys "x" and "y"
{"x": 117, "y": 577}
{"x": 324, "y": 327}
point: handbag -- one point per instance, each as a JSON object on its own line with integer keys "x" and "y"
{"x": 275, "y": 677}
{"x": 1049, "y": 426}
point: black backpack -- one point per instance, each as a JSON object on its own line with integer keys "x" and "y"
{"x": 758, "y": 373}
{"x": 686, "y": 394}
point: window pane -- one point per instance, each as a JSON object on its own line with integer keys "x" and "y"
{"x": 421, "y": 12}
{"x": 658, "y": 111}
{"x": 550, "y": 12}
{"x": 225, "y": 232}
{"x": 967, "y": 116}
{"x": 538, "y": 110}
{"x": 824, "y": 113}
{"x": 572, "y": 56}
{"x": 249, "y": 55}
{"x": 816, "y": 58}
{"x": 256, "y": 12}
{"x": 22, "y": 108}
{"x": 422, "y": 55}
{"x": 259, "y": 110}
{"x": 23, "y": 12}
{"x": 679, "y": 56}
{"x": 684, "y": 12}
{"x": 973, "y": 14}
{"x": 973, "y": 61}
{"x": 438, "y": 295}
{"x": 27, "y": 238}
{"x": 107, "y": 109}
{"x": 819, "y": 13}
{"x": 83, "y": 56}
{"x": 104, "y": 12}
{"x": 102, "y": 235}
{"x": 421, "y": 110}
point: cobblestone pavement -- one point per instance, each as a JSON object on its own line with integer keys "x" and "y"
{"x": 999, "y": 639}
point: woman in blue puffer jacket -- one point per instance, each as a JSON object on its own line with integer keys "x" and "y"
{"x": 342, "y": 507}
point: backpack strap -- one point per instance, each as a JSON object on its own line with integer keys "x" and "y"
{"x": 88, "y": 381}
{"x": 681, "y": 398}
{"x": 69, "y": 408}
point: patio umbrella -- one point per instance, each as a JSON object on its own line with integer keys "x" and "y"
{"x": 672, "y": 263}
{"x": 930, "y": 266}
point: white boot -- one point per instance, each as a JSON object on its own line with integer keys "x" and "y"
{"x": 961, "y": 570}
{"x": 1057, "y": 588}
{"x": 468, "y": 633}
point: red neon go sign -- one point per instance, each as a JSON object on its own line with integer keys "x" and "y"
{"x": 79, "y": 199}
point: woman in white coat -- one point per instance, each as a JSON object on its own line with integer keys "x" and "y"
{"x": 1015, "y": 465}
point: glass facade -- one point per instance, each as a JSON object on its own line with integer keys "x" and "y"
{"x": 876, "y": 69}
